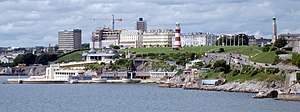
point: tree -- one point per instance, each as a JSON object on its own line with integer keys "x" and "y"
{"x": 114, "y": 46}
{"x": 19, "y": 59}
{"x": 53, "y": 57}
{"x": 85, "y": 45}
{"x": 29, "y": 58}
{"x": 42, "y": 59}
{"x": 281, "y": 42}
{"x": 221, "y": 66}
{"x": 124, "y": 63}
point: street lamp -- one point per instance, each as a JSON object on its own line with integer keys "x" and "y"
{"x": 230, "y": 58}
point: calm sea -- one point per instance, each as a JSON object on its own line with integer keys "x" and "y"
{"x": 129, "y": 98}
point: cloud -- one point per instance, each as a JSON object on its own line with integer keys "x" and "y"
{"x": 32, "y": 16}
{"x": 36, "y": 22}
{"x": 6, "y": 28}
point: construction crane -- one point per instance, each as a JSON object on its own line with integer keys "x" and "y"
{"x": 113, "y": 20}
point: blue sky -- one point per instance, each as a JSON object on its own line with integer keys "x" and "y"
{"x": 36, "y": 22}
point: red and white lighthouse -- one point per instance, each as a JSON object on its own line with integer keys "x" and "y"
{"x": 177, "y": 43}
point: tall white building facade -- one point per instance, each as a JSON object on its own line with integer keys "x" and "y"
{"x": 198, "y": 39}
{"x": 158, "y": 38}
{"x": 131, "y": 38}
{"x": 69, "y": 39}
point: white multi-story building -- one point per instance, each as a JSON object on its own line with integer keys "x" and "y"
{"x": 69, "y": 39}
{"x": 131, "y": 38}
{"x": 160, "y": 37}
{"x": 105, "y": 37}
{"x": 198, "y": 39}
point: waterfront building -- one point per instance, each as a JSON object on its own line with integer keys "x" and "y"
{"x": 158, "y": 38}
{"x": 69, "y": 40}
{"x": 141, "y": 24}
{"x": 131, "y": 38}
{"x": 198, "y": 39}
{"x": 68, "y": 74}
{"x": 105, "y": 37}
{"x": 65, "y": 72}
{"x": 154, "y": 75}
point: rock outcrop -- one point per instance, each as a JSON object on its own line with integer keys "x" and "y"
{"x": 249, "y": 86}
{"x": 30, "y": 70}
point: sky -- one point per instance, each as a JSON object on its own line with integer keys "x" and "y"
{"x": 27, "y": 23}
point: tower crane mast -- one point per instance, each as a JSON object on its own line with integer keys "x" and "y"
{"x": 113, "y": 20}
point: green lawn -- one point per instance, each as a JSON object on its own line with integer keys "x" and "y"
{"x": 257, "y": 77}
{"x": 245, "y": 50}
{"x": 264, "y": 57}
{"x": 256, "y": 55}
{"x": 75, "y": 56}
{"x": 253, "y": 51}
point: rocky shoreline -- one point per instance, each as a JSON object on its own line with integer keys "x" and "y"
{"x": 248, "y": 87}
{"x": 28, "y": 70}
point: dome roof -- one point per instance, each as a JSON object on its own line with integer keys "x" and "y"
{"x": 84, "y": 54}
{"x": 112, "y": 51}
{"x": 92, "y": 51}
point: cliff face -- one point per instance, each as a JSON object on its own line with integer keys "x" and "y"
{"x": 30, "y": 70}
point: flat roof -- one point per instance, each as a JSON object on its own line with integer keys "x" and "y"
{"x": 100, "y": 54}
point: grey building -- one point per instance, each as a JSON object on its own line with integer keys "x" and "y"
{"x": 69, "y": 40}
{"x": 293, "y": 40}
{"x": 290, "y": 38}
{"x": 252, "y": 40}
{"x": 263, "y": 41}
{"x": 104, "y": 37}
{"x": 141, "y": 25}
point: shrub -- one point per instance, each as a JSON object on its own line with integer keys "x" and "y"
{"x": 138, "y": 55}
{"x": 151, "y": 54}
{"x": 220, "y": 69}
{"x": 207, "y": 66}
{"x": 221, "y": 50}
{"x": 280, "y": 52}
{"x": 254, "y": 72}
{"x": 296, "y": 59}
{"x": 144, "y": 55}
{"x": 265, "y": 49}
{"x": 288, "y": 49}
{"x": 298, "y": 77}
{"x": 273, "y": 49}
{"x": 235, "y": 72}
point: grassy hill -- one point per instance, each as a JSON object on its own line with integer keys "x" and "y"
{"x": 264, "y": 57}
{"x": 73, "y": 56}
{"x": 253, "y": 51}
{"x": 245, "y": 50}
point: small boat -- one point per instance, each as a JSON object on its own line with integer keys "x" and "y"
{"x": 99, "y": 80}
{"x": 124, "y": 80}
